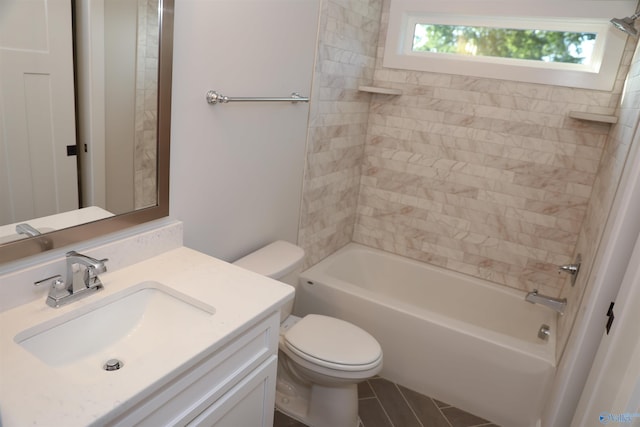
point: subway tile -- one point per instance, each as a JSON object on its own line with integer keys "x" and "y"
{"x": 490, "y": 174}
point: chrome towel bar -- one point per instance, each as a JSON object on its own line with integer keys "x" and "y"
{"x": 214, "y": 97}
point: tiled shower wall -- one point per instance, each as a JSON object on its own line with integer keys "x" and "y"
{"x": 338, "y": 124}
{"x": 486, "y": 177}
{"x": 604, "y": 187}
{"x": 146, "y": 105}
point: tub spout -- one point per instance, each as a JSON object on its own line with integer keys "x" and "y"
{"x": 556, "y": 304}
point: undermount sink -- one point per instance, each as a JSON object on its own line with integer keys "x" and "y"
{"x": 145, "y": 320}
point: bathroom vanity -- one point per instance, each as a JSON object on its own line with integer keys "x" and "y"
{"x": 178, "y": 339}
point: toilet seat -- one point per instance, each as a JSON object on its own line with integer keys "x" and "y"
{"x": 333, "y": 343}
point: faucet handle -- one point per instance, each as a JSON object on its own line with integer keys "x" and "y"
{"x": 93, "y": 271}
{"x": 57, "y": 287}
{"x": 572, "y": 269}
{"x": 53, "y": 281}
{"x": 569, "y": 268}
{"x": 100, "y": 266}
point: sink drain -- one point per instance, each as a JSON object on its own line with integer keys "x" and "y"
{"x": 113, "y": 365}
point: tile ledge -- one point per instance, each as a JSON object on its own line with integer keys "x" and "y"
{"x": 592, "y": 117}
{"x": 380, "y": 90}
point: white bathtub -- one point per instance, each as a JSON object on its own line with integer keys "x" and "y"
{"x": 458, "y": 339}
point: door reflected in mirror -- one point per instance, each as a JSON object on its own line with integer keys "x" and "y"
{"x": 85, "y": 127}
{"x": 78, "y": 132}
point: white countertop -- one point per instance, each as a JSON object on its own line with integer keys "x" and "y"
{"x": 33, "y": 393}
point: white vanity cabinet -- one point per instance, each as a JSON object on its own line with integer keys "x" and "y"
{"x": 197, "y": 339}
{"x": 233, "y": 386}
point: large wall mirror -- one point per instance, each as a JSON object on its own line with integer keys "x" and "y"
{"x": 85, "y": 111}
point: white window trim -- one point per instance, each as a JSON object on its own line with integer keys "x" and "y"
{"x": 556, "y": 15}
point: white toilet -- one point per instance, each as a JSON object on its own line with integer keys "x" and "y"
{"x": 321, "y": 358}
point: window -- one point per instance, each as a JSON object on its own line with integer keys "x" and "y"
{"x": 551, "y": 47}
{"x": 566, "y": 47}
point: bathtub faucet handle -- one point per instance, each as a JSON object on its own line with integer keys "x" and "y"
{"x": 569, "y": 268}
{"x": 572, "y": 269}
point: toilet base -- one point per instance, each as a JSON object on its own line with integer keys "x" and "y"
{"x": 318, "y": 406}
{"x": 291, "y": 400}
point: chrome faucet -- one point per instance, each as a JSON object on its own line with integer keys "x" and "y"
{"x": 82, "y": 279}
{"x": 556, "y": 304}
{"x": 82, "y": 271}
{"x": 27, "y": 230}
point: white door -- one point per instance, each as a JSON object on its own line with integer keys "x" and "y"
{"x": 37, "y": 177}
{"x": 91, "y": 94}
{"x": 612, "y": 392}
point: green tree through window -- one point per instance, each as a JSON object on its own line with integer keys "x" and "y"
{"x": 538, "y": 45}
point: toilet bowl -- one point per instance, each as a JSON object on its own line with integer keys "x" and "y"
{"x": 321, "y": 359}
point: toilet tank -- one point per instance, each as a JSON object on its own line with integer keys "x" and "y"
{"x": 279, "y": 260}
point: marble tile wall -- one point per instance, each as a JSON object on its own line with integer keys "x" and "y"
{"x": 146, "y": 105}
{"x": 485, "y": 177}
{"x": 346, "y": 56}
{"x": 604, "y": 188}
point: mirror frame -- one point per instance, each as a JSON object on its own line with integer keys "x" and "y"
{"x": 19, "y": 249}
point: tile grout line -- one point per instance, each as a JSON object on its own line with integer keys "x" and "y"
{"x": 409, "y": 405}
{"x": 442, "y": 413}
{"x": 381, "y": 405}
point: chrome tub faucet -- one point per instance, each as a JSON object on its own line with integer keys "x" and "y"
{"x": 556, "y": 304}
{"x": 82, "y": 279}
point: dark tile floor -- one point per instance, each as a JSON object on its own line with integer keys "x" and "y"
{"x": 385, "y": 404}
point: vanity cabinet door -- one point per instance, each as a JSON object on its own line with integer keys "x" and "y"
{"x": 203, "y": 386}
{"x": 250, "y": 403}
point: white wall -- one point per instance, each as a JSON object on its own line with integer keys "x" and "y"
{"x": 236, "y": 169}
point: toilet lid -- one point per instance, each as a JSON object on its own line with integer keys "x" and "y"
{"x": 333, "y": 343}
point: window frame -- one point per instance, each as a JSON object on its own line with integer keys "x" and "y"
{"x": 593, "y": 16}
